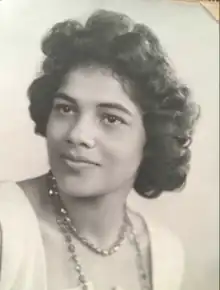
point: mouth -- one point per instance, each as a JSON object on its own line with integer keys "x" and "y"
{"x": 77, "y": 162}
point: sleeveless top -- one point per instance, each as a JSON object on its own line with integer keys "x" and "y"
{"x": 23, "y": 265}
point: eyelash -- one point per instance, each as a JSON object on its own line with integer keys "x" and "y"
{"x": 60, "y": 107}
{"x": 105, "y": 116}
{"x": 116, "y": 118}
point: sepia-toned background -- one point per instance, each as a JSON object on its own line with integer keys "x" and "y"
{"x": 190, "y": 36}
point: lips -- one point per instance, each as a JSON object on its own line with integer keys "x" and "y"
{"x": 78, "y": 160}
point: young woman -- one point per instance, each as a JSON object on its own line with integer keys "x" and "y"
{"x": 115, "y": 118}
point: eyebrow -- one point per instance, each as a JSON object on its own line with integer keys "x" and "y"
{"x": 65, "y": 97}
{"x": 116, "y": 106}
{"x": 108, "y": 105}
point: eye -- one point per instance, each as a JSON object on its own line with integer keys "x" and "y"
{"x": 110, "y": 119}
{"x": 64, "y": 109}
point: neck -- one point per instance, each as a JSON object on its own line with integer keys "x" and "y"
{"x": 97, "y": 218}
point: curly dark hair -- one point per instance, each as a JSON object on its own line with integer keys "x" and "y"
{"x": 135, "y": 56}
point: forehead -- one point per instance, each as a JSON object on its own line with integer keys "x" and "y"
{"x": 95, "y": 85}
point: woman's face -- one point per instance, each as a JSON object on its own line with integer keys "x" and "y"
{"x": 95, "y": 135}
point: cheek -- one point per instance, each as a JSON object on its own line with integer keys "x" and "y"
{"x": 127, "y": 149}
{"x": 55, "y": 132}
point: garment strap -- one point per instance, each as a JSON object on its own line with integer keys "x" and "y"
{"x": 148, "y": 250}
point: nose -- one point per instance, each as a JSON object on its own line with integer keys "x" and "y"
{"x": 82, "y": 133}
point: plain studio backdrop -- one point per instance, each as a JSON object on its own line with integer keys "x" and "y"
{"x": 190, "y": 36}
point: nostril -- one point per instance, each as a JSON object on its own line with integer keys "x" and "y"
{"x": 69, "y": 141}
{"x": 82, "y": 141}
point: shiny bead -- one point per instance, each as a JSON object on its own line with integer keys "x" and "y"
{"x": 84, "y": 240}
{"x": 67, "y": 219}
{"x": 68, "y": 238}
{"x": 75, "y": 258}
{"x": 59, "y": 221}
{"x": 51, "y": 192}
{"x": 116, "y": 248}
{"x": 63, "y": 210}
{"x": 105, "y": 253}
{"x": 112, "y": 251}
{"x": 63, "y": 229}
{"x": 82, "y": 278}
{"x": 90, "y": 244}
{"x": 71, "y": 248}
{"x": 78, "y": 268}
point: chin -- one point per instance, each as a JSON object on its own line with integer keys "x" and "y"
{"x": 80, "y": 192}
{"x": 76, "y": 187}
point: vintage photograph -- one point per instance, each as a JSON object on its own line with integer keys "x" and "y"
{"x": 109, "y": 151}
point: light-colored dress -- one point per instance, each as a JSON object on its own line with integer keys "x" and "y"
{"x": 23, "y": 258}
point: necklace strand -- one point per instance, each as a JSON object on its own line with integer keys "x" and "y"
{"x": 66, "y": 227}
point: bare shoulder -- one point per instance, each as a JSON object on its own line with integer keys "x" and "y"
{"x": 29, "y": 186}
